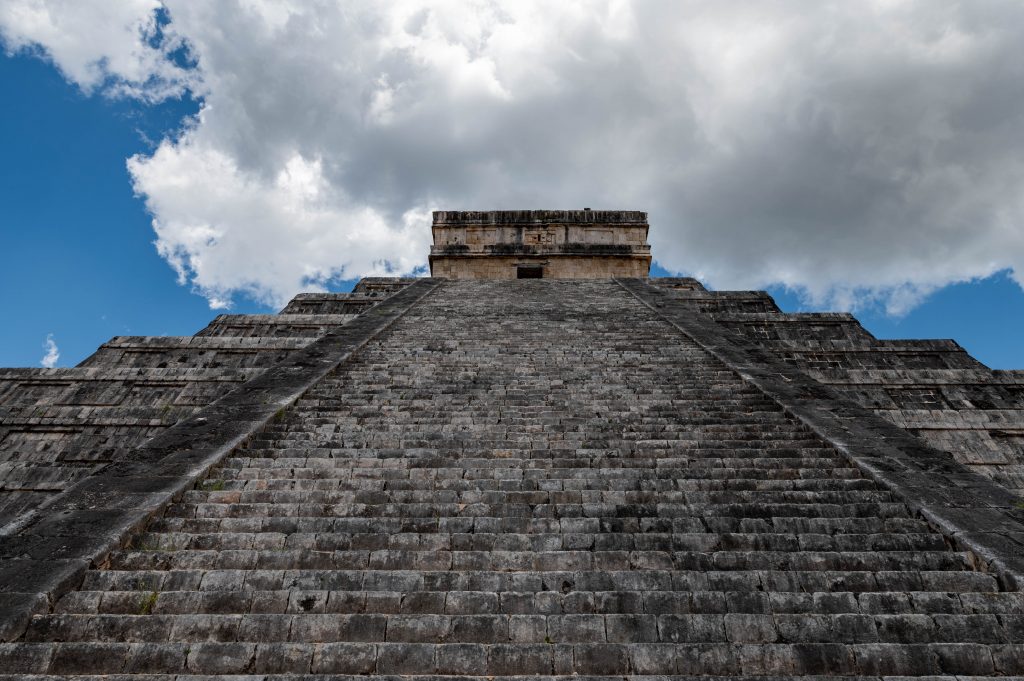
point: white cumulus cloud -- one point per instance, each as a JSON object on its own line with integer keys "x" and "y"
{"x": 49, "y": 360}
{"x": 859, "y": 152}
{"x": 112, "y": 45}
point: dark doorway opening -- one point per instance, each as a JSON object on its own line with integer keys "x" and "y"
{"x": 529, "y": 272}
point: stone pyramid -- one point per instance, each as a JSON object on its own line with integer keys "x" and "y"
{"x": 537, "y": 463}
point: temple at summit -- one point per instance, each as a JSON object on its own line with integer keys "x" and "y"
{"x": 537, "y": 462}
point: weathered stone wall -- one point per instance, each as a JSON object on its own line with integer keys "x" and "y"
{"x": 540, "y": 479}
{"x": 59, "y": 426}
{"x": 588, "y": 475}
{"x": 932, "y": 388}
{"x": 542, "y": 237}
{"x": 553, "y": 267}
{"x": 582, "y": 244}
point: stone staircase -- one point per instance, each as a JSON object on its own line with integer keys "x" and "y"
{"x": 61, "y": 426}
{"x": 533, "y": 478}
{"x": 933, "y": 389}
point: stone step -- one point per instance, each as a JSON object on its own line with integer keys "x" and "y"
{"x": 519, "y": 659}
{"x": 699, "y": 465}
{"x": 655, "y": 501}
{"x": 511, "y": 541}
{"x": 633, "y": 488}
{"x": 594, "y": 463}
{"x": 558, "y": 561}
{"x": 537, "y": 447}
{"x": 592, "y": 510}
{"x": 475, "y": 408}
{"x": 553, "y": 602}
{"x": 332, "y": 626}
{"x": 232, "y": 479}
{"x": 327, "y": 579}
{"x": 680, "y": 428}
{"x": 490, "y": 525}
{"x": 460, "y": 437}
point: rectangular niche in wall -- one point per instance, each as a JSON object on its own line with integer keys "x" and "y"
{"x": 529, "y": 272}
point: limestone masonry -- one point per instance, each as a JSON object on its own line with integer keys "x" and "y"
{"x": 535, "y": 244}
{"x": 587, "y": 474}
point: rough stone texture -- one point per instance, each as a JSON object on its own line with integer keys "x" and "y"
{"x": 46, "y": 549}
{"x": 540, "y": 478}
{"x": 579, "y": 266}
{"x": 58, "y": 426}
{"x": 578, "y": 477}
{"x": 975, "y": 513}
{"x": 933, "y": 389}
{"x": 558, "y": 244}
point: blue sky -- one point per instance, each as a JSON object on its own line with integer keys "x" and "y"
{"x": 79, "y": 260}
{"x": 305, "y": 173}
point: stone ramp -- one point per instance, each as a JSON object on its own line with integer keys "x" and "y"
{"x": 533, "y": 478}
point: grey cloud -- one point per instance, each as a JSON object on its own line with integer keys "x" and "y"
{"x": 856, "y": 151}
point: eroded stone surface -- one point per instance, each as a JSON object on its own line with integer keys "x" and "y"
{"x": 59, "y": 426}
{"x": 933, "y": 388}
{"x": 576, "y": 477}
{"x": 537, "y": 478}
{"x": 557, "y": 244}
